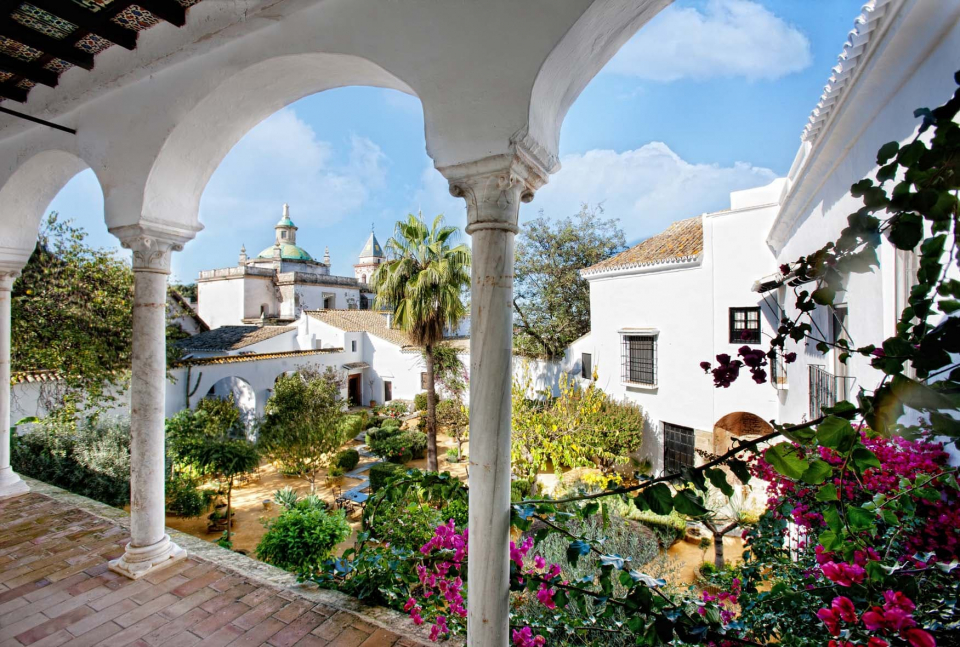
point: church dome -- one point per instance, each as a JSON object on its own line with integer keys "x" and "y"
{"x": 288, "y": 252}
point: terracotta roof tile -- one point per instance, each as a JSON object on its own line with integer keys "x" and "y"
{"x": 231, "y": 337}
{"x": 683, "y": 240}
{"x": 373, "y": 322}
{"x": 251, "y": 357}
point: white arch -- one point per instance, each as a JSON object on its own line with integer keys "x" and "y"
{"x": 25, "y": 197}
{"x": 201, "y": 139}
{"x": 244, "y": 396}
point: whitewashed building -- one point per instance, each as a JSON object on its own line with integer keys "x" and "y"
{"x": 687, "y": 294}
{"x": 282, "y": 281}
{"x": 676, "y": 299}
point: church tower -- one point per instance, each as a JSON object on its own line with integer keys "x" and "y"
{"x": 285, "y": 229}
{"x": 371, "y": 257}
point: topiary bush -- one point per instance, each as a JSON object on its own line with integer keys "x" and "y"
{"x": 420, "y": 402}
{"x": 416, "y": 441}
{"x": 185, "y": 499}
{"x": 519, "y": 490}
{"x": 346, "y": 459}
{"x": 302, "y": 537}
{"x": 390, "y": 423}
{"x": 89, "y": 458}
{"x": 376, "y": 435}
{"x": 381, "y": 473}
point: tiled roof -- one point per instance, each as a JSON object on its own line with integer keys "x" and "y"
{"x": 231, "y": 337}
{"x": 251, "y": 357}
{"x": 368, "y": 321}
{"x": 868, "y": 23}
{"x": 681, "y": 241}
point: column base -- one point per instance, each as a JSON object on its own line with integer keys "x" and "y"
{"x": 138, "y": 561}
{"x": 11, "y": 484}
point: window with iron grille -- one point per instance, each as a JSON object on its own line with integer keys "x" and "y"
{"x": 744, "y": 325}
{"x": 678, "y": 443}
{"x": 639, "y": 359}
{"x": 586, "y": 366}
{"x": 823, "y": 390}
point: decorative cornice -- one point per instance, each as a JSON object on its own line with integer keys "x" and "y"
{"x": 680, "y": 262}
{"x": 7, "y": 277}
{"x": 866, "y": 26}
{"x": 14, "y": 258}
{"x": 152, "y": 245}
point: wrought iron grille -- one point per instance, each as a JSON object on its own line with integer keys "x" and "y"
{"x": 823, "y": 390}
{"x": 744, "y": 325}
{"x": 678, "y": 445}
{"x": 639, "y": 359}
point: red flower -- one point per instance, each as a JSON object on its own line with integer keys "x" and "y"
{"x": 843, "y": 606}
{"x": 831, "y": 620}
{"x": 919, "y": 638}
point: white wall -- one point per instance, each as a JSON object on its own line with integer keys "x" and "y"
{"x": 912, "y": 67}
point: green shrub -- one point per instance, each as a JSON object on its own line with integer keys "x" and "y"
{"x": 416, "y": 441}
{"x": 335, "y": 472}
{"x": 670, "y": 528}
{"x": 91, "y": 458}
{"x": 390, "y": 423}
{"x": 420, "y": 402}
{"x": 346, "y": 459}
{"x": 519, "y": 490}
{"x": 352, "y": 425}
{"x": 381, "y": 473}
{"x": 375, "y": 436}
{"x": 374, "y": 422}
{"x": 409, "y": 522}
{"x": 302, "y": 537}
{"x": 185, "y": 499}
{"x": 453, "y": 456}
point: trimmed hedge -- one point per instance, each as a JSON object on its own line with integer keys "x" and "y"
{"x": 346, "y": 459}
{"x": 381, "y": 473}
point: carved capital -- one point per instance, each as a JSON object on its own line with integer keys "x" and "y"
{"x": 152, "y": 246}
{"x": 494, "y": 187}
{"x": 7, "y": 277}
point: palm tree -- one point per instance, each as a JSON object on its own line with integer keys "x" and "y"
{"x": 423, "y": 284}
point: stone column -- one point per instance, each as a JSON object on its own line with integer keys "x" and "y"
{"x": 150, "y": 547}
{"x": 493, "y": 189}
{"x": 10, "y": 483}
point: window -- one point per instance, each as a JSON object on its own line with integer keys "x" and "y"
{"x": 387, "y": 391}
{"x": 677, "y": 447}
{"x": 353, "y": 346}
{"x": 639, "y": 359}
{"x": 744, "y": 325}
{"x": 586, "y": 366}
{"x": 283, "y": 235}
{"x": 423, "y": 381}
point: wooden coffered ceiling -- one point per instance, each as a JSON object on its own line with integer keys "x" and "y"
{"x": 41, "y": 39}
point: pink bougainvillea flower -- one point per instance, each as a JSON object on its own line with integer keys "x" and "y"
{"x": 842, "y": 573}
{"x": 545, "y": 596}
{"x": 829, "y": 617}
{"x": 919, "y": 638}
{"x": 877, "y": 642}
{"x": 843, "y": 606}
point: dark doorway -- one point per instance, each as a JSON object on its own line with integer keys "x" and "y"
{"x": 354, "y": 386}
{"x": 387, "y": 391}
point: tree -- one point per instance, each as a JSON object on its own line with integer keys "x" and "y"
{"x": 72, "y": 312}
{"x": 303, "y": 423}
{"x": 551, "y": 299}
{"x": 453, "y": 415}
{"x": 225, "y": 458}
{"x": 423, "y": 284}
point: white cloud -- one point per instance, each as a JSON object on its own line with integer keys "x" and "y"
{"x": 728, "y": 38}
{"x": 646, "y": 189}
{"x": 282, "y": 160}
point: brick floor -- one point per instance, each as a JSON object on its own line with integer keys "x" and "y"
{"x": 55, "y": 591}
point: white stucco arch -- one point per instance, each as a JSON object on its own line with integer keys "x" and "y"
{"x": 244, "y": 396}
{"x": 25, "y": 196}
{"x": 204, "y": 136}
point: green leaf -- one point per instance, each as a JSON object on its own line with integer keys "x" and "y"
{"x": 827, "y": 492}
{"x": 739, "y": 469}
{"x": 830, "y": 540}
{"x": 786, "y": 459}
{"x": 688, "y": 503}
{"x": 864, "y": 458}
{"x": 719, "y": 480}
{"x": 818, "y": 472}
{"x": 659, "y": 498}
{"x": 906, "y": 231}
{"x": 887, "y": 152}
{"x": 823, "y": 296}
{"x": 860, "y": 519}
{"x": 836, "y": 433}
{"x": 832, "y": 519}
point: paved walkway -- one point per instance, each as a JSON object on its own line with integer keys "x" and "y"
{"x": 55, "y": 590}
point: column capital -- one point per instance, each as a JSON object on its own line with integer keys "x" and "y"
{"x": 7, "y": 277}
{"x": 494, "y": 187}
{"x": 152, "y": 244}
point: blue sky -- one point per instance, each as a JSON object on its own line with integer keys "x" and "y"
{"x": 709, "y": 97}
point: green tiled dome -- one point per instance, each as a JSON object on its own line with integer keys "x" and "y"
{"x": 287, "y": 252}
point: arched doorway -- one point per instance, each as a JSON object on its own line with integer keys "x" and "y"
{"x": 739, "y": 424}
{"x": 243, "y": 396}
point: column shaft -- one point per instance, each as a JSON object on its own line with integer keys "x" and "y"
{"x": 150, "y": 547}
{"x": 491, "y": 350}
{"x": 10, "y": 483}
